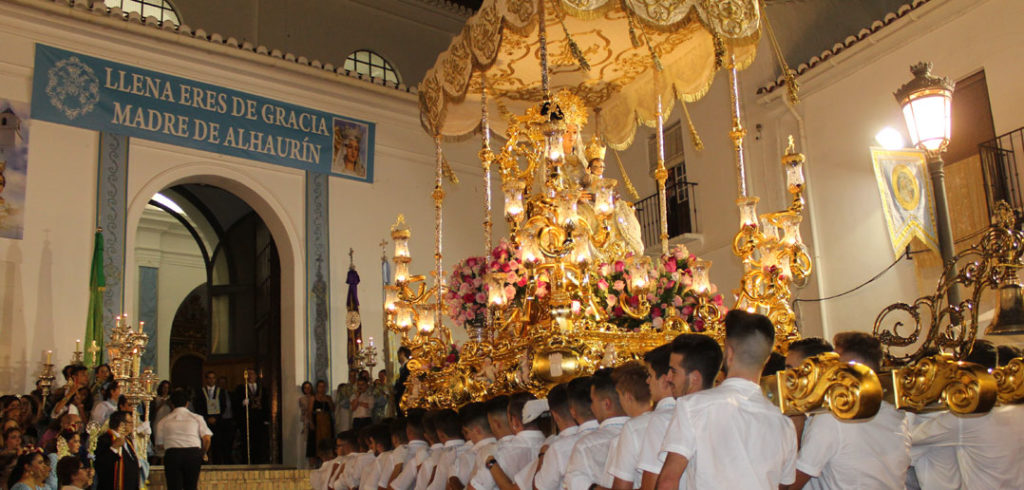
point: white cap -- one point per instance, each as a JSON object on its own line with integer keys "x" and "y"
{"x": 533, "y": 410}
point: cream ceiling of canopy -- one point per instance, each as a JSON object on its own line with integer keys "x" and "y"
{"x": 500, "y": 44}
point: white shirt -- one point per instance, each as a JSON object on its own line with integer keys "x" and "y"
{"x": 512, "y": 457}
{"x": 866, "y": 454}
{"x": 102, "y": 411}
{"x": 524, "y": 479}
{"x": 932, "y": 467}
{"x": 482, "y": 451}
{"x": 556, "y": 458}
{"x": 428, "y": 465}
{"x": 385, "y": 464}
{"x": 417, "y": 453}
{"x": 364, "y": 410}
{"x": 355, "y": 467}
{"x": 650, "y": 458}
{"x": 589, "y": 455}
{"x": 182, "y": 429}
{"x": 733, "y": 437}
{"x": 445, "y": 462}
{"x": 398, "y": 457}
{"x": 320, "y": 478}
{"x": 622, "y": 462}
{"x": 988, "y": 446}
{"x": 370, "y": 473}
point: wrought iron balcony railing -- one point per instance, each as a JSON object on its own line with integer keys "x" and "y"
{"x": 681, "y": 197}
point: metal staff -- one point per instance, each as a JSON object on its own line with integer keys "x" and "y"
{"x": 248, "y": 436}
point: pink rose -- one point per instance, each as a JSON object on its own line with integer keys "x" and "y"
{"x": 658, "y": 322}
{"x": 510, "y": 292}
{"x": 619, "y": 286}
{"x": 612, "y": 300}
{"x": 687, "y": 310}
{"x": 677, "y": 301}
{"x": 619, "y": 266}
{"x": 602, "y": 284}
{"x": 670, "y": 265}
{"x": 656, "y": 312}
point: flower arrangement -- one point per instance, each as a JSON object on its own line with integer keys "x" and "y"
{"x": 506, "y": 265}
{"x": 466, "y": 297}
{"x": 670, "y": 294}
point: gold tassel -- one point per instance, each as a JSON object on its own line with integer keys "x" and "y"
{"x": 625, "y": 177}
{"x": 448, "y": 172}
{"x": 575, "y": 48}
{"x": 697, "y": 142}
{"x": 792, "y": 87}
{"x": 633, "y": 38}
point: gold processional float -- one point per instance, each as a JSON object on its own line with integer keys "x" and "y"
{"x": 571, "y": 289}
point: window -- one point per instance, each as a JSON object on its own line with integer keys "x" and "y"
{"x": 369, "y": 63}
{"x": 161, "y": 9}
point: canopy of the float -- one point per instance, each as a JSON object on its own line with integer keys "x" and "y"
{"x": 500, "y": 44}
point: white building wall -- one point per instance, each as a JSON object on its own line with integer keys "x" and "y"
{"x": 44, "y": 293}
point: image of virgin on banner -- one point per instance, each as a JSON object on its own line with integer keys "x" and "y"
{"x": 13, "y": 167}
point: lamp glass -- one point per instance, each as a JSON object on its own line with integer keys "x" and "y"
{"x": 604, "y": 198}
{"x": 748, "y": 211}
{"x": 390, "y": 298}
{"x": 795, "y": 176}
{"x": 402, "y": 247}
{"x": 929, "y": 118}
{"x": 700, "y": 270}
{"x": 496, "y": 291}
{"x": 513, "y": 199}
{"x": 401, "y": 272}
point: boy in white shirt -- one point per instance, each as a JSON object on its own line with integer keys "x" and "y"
{"x": 427, "y": 467}
{"x": 418, "y": 451}
{"x": 449, "y": 430}
{"x": 586, "y": 464}
{"x": 635, "y": 396}
{"x": 512, "y": 457}
{"x": 476, "y": 428}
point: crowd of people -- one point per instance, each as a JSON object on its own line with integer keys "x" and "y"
{"x": 354, "y": 405}
{"x": 690, "y": 415}
{"x": 41, "y": 432}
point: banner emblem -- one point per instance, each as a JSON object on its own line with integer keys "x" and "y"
{"x": 73, "y": 87}
{"x": 906, "y": 197}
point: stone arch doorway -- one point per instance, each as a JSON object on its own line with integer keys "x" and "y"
{"x": 209, "y": 281}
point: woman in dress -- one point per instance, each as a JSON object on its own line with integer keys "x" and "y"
{"x": 321, "y": 414}
{"x": 342, "y": 412}
{"x": 305, "y": 405}
{"x": 29, "y": 472}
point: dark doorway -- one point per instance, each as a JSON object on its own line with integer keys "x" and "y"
{"x": 230, "y": 321}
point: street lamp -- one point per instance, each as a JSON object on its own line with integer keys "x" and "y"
{"x": 927, "y": 102}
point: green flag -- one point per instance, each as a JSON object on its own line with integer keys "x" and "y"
{"x": 94, "y": 323}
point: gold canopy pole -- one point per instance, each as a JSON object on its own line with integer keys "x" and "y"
{"x": 542, "y": 38}
{"x": 486, "y": 157}
{"x": 661, "y": 174}
{"x": 737, "y": 132}
{"x": 438, "y": 196}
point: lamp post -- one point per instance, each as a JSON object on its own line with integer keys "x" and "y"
{"x": 927, "y": 102}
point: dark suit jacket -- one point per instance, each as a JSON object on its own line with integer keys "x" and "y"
{"x": 399, "y": 390}
{"x": 112, "y": 468}
{"x": 200, "y": 401}
{"x": 259, "y": 404}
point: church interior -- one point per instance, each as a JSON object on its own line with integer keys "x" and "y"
{"x": 285, "y": 207}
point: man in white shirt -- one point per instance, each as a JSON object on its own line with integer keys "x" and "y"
{"x": 988, "y": 446}
{"x": 731, "y": 436}
{"x": 427, "y": 467}
{"x": 361, "y": 404}
{"x": 449, "y": 430}
{"x": 635, "y": 397}
{"x": 656, "y": 361}
{"x": 589, "y": 455}
{"x": 333, "y": 472}
{"x": 693, "y": 363}
{"x": 400, "y": 442}
{"x": 512, "y": 457}
{"x": 552, "y": 467}
{"x": 418, "y": 451}
{"x": 380, "y": 438}
{"x": 478, "y": 431}
{"x": 533, "y": 410}
{"x": 331, "y": 455}
{"x": 869, "y": 453}
{"x": 185, "y": 439}
{"x": 359, "y": 462}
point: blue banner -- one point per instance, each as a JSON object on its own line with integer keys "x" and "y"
{"x": 92, "y": 93}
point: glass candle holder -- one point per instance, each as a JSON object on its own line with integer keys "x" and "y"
{"x": 748, "y": 211}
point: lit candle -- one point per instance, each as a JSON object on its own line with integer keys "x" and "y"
{"x": 78, "y": 345}
{"x": 371, "y": 342}
{"x": 49, "y": 356}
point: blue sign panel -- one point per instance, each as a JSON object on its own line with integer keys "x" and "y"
{"x": 92, "y": 93}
